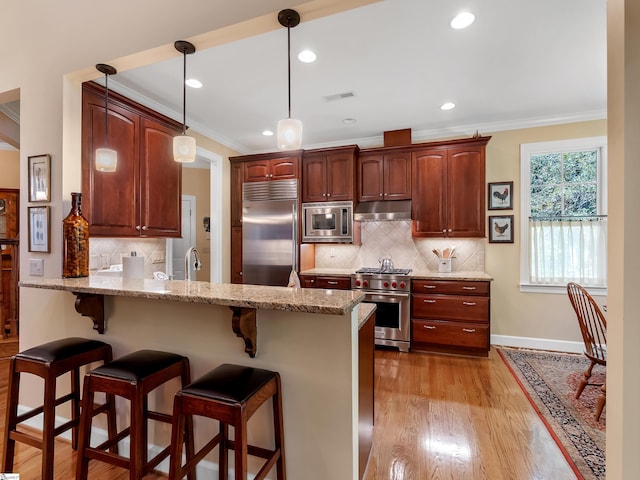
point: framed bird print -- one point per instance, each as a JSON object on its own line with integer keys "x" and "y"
{"x": 500, "y": 196}
{"x": 501, "y": 229}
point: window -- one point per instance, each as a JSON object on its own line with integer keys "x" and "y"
{"x": 564, "y": 222}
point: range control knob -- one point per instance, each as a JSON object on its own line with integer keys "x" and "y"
{"x": 357, "y": 283}
{"x": 386, "y": 284}
{"x": 402, "y": 285}
{"x": 394, "y": 284}
{"x": 365, "y": 283}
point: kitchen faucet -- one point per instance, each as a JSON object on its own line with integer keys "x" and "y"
{"x": 197, "y": 263}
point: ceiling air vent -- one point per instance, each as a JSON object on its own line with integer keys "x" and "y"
{"x": 339, "y": 96}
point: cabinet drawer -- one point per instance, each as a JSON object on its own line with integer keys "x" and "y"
{"x": 307, "y": 281}
{"x": 441, "y": 307}
{"x": 336, "y": 283}
{"x": 453, "y": 334}
{"x": 451, "y": 287}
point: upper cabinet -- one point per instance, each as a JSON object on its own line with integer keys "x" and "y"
{"x": 283, "y": 166}
{"x": 384, "y": 174}
{"x": 448, "y": 189}
{"x": 329, "y": 174}
{"x": 143, "y": 196}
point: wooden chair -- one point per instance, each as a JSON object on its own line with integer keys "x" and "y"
{"x": 593, "y": 326}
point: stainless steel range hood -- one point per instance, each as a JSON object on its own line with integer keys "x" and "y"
{"x": 385, "y": 210}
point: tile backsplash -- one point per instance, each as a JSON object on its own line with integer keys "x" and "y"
{"x": 104, "y": 252}
{"x": 393, "y": 239}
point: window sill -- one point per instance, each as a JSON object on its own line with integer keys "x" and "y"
{"x": 558, "y": 289}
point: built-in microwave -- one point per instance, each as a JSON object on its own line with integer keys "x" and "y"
{"x": 330, "y": 222}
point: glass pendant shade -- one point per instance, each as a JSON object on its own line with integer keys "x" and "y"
{"x": 289, "y": 134}
{"x": 184, "y": 149}
{"x": 106, "y": 160}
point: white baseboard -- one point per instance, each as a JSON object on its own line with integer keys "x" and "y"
{"x": 538, "y": 343}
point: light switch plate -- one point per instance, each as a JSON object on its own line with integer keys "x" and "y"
{"x": 36, "y": 266}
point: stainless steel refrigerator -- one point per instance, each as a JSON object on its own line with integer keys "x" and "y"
{"x": 269, "y": 232}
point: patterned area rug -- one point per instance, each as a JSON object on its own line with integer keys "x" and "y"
{"x": 550, "y": 380}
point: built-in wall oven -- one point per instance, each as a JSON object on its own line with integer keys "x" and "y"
{"x": 390, "y": 291}
{"x": 327, "y": 222}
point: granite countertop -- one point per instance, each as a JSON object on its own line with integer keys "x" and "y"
{"x": 416, "y": 274}
{"x": 308, "y": 300}
{"x": 364, "y": 312}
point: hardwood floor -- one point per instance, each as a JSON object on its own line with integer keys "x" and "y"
{"x": 437, "y": 417}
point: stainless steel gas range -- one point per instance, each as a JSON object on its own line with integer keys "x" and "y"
{"x": 389, "y": 290}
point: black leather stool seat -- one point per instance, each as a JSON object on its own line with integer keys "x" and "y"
{"x": 230, "y": 383}
{"x": 137, "y": 365}
{"x": 60, "y": 349}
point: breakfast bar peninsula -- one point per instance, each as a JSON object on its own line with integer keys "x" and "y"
{"x": 310, "y": 336}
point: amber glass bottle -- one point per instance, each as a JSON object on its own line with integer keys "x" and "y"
{"x": 75, "y": 241}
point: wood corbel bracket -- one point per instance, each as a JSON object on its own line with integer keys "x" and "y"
{"x": 91, "y": 305}
{"x": 244, "y": 326}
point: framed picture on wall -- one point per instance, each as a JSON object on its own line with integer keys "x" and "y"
{"x": 39, "y": 178}
{"x": 500, "y": 196}
{"x": 501, "y": 229}
{"x": 39, "y": 229}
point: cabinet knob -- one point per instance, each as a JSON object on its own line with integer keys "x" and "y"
{"x": 241, "y": 273}
{"x": 328, "y": 194}
{"x": 449, "y": 230}
{"x": 324, "y": 194}
{"x": 144, "y": 227}
{"x": 138, "y": 227}
{"x": 380, "y": 195}
{"x": 444, "y": 230}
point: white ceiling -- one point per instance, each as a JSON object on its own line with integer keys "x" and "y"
{"x": 521, "y": 63}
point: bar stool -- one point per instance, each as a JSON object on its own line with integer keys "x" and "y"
{"x": 133, "y": 377}
{"x": 49, "y": 361}
{"x": 230, "y": 394}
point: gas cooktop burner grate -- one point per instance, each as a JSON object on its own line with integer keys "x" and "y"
{"x": 395, "y": 271}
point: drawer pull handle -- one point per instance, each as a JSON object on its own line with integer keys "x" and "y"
{"x": 429, "y": 286}
{"x": 468, "y": 288}
{"x": 469, "y": 330}
{"x": 429, "y": 301}
{"x": 429, "y": 327}
{"x": 469, "y": 304}
{"x": 332, "y": 282}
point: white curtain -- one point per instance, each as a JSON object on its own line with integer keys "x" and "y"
{"x": 566, "y": 250}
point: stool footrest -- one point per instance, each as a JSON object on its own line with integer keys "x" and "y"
{"x": 65, "y": 426}
{"x": 26, "y": 438}
{"x": 38, "y": 410}
{"x": 159, "y": 417}
{"x": 253, "y": 450}
{"x": 112, "y": 441}
{"x": 107, "y": 457}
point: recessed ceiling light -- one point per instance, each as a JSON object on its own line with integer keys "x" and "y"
{"x": 267, "y": 133}
{"x": 462, "y": 20}
{"x": 307, "y": 56}
{"x": 193, "y": 83}
{"x": 447, "y": 106}
{"x": 349, "y": 121}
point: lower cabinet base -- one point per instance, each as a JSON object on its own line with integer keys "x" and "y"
{"x": 453, "y": 350}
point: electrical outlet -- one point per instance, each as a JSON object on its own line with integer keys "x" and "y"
{"x": 36, "y": 266}
{"x": 332, "y": 252}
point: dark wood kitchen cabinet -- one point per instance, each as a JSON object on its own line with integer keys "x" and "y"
{"x": 450, "y": 316}
{"x": 236, "y": 255}
{"x": 329, "y": 174}
{"x": 143, "y": 196}
{"x": 384, "y": 174}
{"x": 448, "y": 190}
{"x": 330, "y": 282}
{"x": 271, "y": 166}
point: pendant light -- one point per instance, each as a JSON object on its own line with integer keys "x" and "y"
{"x": 289, "y": 129}
{"x": 184, "y": 146}
{"x": 106, "y": 158}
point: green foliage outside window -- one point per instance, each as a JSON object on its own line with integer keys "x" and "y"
{"x": 564, "y": 184}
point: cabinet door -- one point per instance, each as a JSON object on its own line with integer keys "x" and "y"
{"x": 429, "y": 180}
{"x": 340, "y": 176}
{"x": 283, "y": 168}
{"x": 236, "y": 255}
{"x": 397, "y": 176}
{"x": 110, "y": 198}
{"x": 257, "y": 171}
{"x": 370, "y": 177}
{"x": 314, "y": 178}
{"x": 236, "y": 174}
{"x": 465, "y": 192}
{"x": 161, "y": 182}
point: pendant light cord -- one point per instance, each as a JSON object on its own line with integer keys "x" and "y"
{"x": 106, "y": 109}
{"x": 289, "y": 60}
{"x": 184, "y": 92}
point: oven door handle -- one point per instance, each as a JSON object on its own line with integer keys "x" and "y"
{"x": 371, "y": 296}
